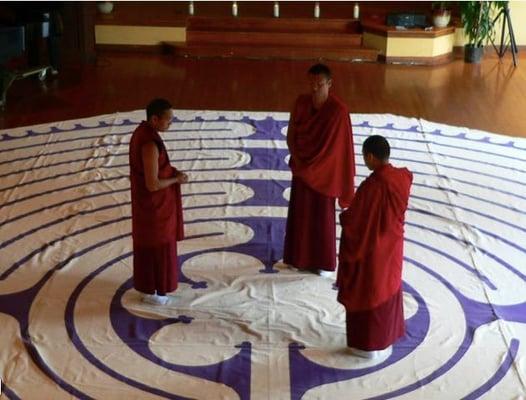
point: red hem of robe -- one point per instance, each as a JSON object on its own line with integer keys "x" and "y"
{"x": 378, "y": 328}
{"x": 155, "y": 268}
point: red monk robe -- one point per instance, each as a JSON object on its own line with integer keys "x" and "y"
{"x": 157, "y": 219}
{"x": 322, "y": 163}
{"x": 371, "y": 252}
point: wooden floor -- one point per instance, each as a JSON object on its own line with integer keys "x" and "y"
{"x": 490, "y": 96}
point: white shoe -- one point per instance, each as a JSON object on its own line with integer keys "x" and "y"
{"x": 325, "y": 274}
{"x": 155, "y": 299}
{"x": 369, "y": 355}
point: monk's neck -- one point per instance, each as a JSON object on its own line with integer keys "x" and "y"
{"x": 318, "y": 103}
{"x": 380, "y": 166}
{"x": 151, "y": 126}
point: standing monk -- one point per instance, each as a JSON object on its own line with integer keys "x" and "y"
{"x": 371, "y": 253}
{"x": 157, "y": 217}
{"x": 321, "y": 149}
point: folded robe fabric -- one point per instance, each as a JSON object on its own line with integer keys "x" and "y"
{"x": 373, "y": 239}
{"x": 370, "y": 258}
{"x": 321, "y": 147}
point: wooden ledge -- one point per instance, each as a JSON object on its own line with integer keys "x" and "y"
{"x": 291, "y": 52}
{"x": 263, "y": 24}
{"x": 390, "y": 31}
{"x": 437, "y": 60}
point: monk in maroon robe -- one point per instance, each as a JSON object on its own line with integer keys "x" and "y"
{"x": 157, "y": 222}
{"x": 371, "y": 253}
{"x": 321, "y": 149}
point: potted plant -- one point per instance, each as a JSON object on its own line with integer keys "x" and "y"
{"x": 477, "y": 20}
{"x": 441, "y": 14}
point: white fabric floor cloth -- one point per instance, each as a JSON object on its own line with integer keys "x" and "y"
{"x": 241, "y": 325}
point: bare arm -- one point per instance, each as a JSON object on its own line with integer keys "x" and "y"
{"x": 150, "y": 160}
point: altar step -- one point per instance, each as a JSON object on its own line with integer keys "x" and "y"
{"x": 273, "y": 38}
{"x": 351, "y": 53}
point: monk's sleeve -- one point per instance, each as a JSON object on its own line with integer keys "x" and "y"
{"x": 362, "y": 223}
{"x": 346, "y": 163}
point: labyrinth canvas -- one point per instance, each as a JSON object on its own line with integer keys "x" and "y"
{"x": 242, "y": 325}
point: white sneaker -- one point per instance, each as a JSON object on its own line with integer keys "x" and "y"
{"x": 369, "y": 355}
{"x": 155, "y": 299}
{"x": 325, "y": 274}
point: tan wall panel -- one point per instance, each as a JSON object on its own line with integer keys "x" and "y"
{"x": 138, "y": 35}
{"x": 419, "y": 47}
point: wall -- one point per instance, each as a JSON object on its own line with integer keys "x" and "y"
{"x": 167, "y": 19}
{"x": 147, "y": 23}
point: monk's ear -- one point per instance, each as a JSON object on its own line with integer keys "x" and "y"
{"x": 368, "y": 159}
{"x": 329, "y": 83}
{"x": 154, "y": 119}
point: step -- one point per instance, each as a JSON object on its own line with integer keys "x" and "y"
{"x": 356, "y": 53}
{"x": 305, "y": 25}
{"x": 274, "y": 38}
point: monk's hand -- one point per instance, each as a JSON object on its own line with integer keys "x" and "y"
{"x": 181, "y": 177}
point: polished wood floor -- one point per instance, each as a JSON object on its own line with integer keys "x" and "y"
{"x": 490, "y": 96}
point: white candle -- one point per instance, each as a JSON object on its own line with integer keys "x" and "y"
{"x": 191, "y": 8}
{"x": 276, "y": 9}
{"x": 317, "y": 10}
{"x": 234, "y": 8}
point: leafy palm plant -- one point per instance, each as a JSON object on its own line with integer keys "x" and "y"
{"x": 477, "y": 19}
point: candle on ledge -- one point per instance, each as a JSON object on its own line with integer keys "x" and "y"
{"x": 276, "y": 9}
{"x": 356, "y": 11}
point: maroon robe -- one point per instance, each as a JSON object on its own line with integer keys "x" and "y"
{"x": 322, "y": 164}
{"x": 310, "y": 237}
{"x": 157, "y": 219}
{"x": 370, "y": 259}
